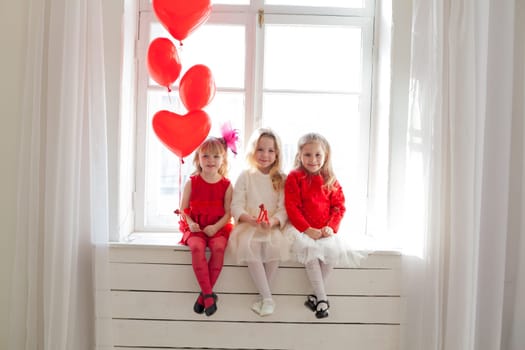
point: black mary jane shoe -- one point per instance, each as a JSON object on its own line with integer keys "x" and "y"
{"x": 311, "y": 302}
{"x": 322, "y": 312}
{"x": 213, "y": 307}
{"x": 198, "y": 307}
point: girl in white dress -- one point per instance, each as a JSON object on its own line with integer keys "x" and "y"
{"x": 257, "y": 237}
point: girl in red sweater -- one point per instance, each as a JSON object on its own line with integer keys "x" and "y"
{"x": 315, "y": 205}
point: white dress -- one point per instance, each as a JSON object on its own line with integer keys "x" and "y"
{"x": 247, "y": 243}
{"x": 332, "y": 250}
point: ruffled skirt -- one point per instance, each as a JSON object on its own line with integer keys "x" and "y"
{"x": 249, "y": 244}
{"x": 331, "y": 250}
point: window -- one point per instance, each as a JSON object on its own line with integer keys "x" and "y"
{"x": 279, "y": 64}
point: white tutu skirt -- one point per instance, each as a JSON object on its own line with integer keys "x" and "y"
{"x": 331, "y": 250}
{"x": 249, "y": 244}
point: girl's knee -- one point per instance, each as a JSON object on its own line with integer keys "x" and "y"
{"x": 217, "y": 249}
{"x": 198, "y": 250}
{"x": 197, "y": 245}
{"x": 218, "y": 244}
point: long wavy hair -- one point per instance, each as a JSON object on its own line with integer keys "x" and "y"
{"x": 276, "y": 174}
{"x": 326, "y": 171}
{"x": 213, "y": 145}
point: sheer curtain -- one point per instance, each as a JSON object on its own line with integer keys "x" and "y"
{"x": 60, "y": 275}
{"x": 464, "y": 266}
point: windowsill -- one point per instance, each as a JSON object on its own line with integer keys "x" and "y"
{"x": 151, "y": 239}
{"x": 171, "y": 240}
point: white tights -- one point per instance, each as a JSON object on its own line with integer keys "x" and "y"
{"x": 317, "y": 272}
{"x": 262, "y": 273}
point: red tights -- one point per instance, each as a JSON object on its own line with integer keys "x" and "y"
{"x": 207, "y": 272}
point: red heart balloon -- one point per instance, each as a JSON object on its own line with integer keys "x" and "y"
{"x": 197, "y": 87}
{"x": 182, "y": 134}
{"x": 181, "y": 17}
{"x": 163, "y": 62}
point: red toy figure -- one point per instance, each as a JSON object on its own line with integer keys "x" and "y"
{"x": 263, "y": 215}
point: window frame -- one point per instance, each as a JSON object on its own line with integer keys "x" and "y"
{"x": 253, "y": 78}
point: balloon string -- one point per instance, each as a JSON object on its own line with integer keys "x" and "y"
{"x": 180, "y": 181}
{"x": 178, "y": 211}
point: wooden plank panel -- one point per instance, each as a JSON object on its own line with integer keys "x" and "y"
{"x": 165, "y": 348}
{"x": 180, "y": 278}
{"x": 238, "y": 335}
{"x": 181, "y": 255}
{"x": 232, "y": 307}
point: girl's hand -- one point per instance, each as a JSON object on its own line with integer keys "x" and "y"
{"x": 313, "y": 233}
{"x": 252, "y": 220}
{"x": 327, "y": 231}
{"x": 268, "y": 225}
{"x": 249, "y": 219}
{"x": 265, "y": 225}
{"x": 194, "y": 227}
{"x": 210, "y": 230}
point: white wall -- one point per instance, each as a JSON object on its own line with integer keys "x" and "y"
{"x": 12, "y": 41}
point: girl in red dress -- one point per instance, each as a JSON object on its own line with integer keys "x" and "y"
{"x": 205, "y": 218}
{"x": 315, "y": 205}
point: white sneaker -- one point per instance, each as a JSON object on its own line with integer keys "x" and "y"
{"x": 256, "y": 307}
{"x": 267, "y": 307}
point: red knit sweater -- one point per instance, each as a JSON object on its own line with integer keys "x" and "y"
{"x": 309, "y": 204}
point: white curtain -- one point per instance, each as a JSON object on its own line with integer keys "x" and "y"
{"x": 60, "y": 285}
{"x": 464, "y": 274}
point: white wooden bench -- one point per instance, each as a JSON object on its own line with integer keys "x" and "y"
{"x": 153, "y": 291}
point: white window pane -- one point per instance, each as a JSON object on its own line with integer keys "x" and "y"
{"x": 162, "y": 180}
{"x": 336, "y": 117}
{"x": 228, "y": 2}
{"x": 162, "y": 184}
{"x": 231, "y": 2}
{"x": 220, "y": 47}
{"x": 319, "y": 3}
{"x": 313, "y": 57}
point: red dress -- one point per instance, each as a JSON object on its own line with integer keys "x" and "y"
{"x": 206, "y": 206}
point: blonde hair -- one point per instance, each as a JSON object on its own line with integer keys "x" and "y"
{"x": 276, "y": 174}
{"x": 213, "y": 145}
{"x": 326, "y": 169}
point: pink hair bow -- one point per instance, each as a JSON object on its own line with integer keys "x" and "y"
{"x": 230, "y": 136}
